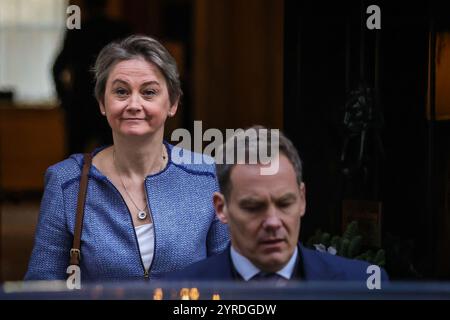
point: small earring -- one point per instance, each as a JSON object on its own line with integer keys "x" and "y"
{"x": 103, "y": 113}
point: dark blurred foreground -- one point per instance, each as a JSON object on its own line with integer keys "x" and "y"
{"x": 226, "y": 291}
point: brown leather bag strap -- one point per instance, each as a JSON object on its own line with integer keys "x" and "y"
{"x": 75, "y": 253}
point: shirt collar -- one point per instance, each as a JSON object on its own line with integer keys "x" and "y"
{"x": 248, "y": 270}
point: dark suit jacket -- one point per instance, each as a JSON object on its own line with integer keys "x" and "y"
{"x": 311, "y": 265}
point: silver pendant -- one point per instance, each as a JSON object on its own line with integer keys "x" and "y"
{"x": 142, "y": 215}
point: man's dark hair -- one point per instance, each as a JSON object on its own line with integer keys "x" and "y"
{"x": 285, "y": 147}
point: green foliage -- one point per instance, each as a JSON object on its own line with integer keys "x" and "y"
{"x": 351, "y": 231}
{"x": 380, "y": 258}
{"x": 344, "y": 248}
{"x": 314, "y": 239}
{"x": 325, "y": 239}
{"x": 355, "y": 246}
{"x": 350, "y": 245}
{"x": 336, "y": 243}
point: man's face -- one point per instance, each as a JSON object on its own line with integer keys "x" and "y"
{"x": 263, "y": 213}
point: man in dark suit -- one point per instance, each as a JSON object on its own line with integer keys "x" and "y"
{"x": 263, "y": 212}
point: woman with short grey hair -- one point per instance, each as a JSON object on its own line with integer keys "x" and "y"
{"x": 137, "y": 47}
{"x": 144, "y": 214}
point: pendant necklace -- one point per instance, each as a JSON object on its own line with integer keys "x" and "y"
{"x": 142, "y": 214}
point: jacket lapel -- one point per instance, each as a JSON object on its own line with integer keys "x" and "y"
{"x": 221, "y": 267}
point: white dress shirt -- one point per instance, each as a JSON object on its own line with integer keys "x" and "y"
{"x": 248, "y": 270}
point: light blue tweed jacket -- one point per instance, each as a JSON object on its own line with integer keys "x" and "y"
{"x": 180, "y": 199}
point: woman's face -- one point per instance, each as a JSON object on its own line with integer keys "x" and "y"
{"x": 137, "y": 99}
